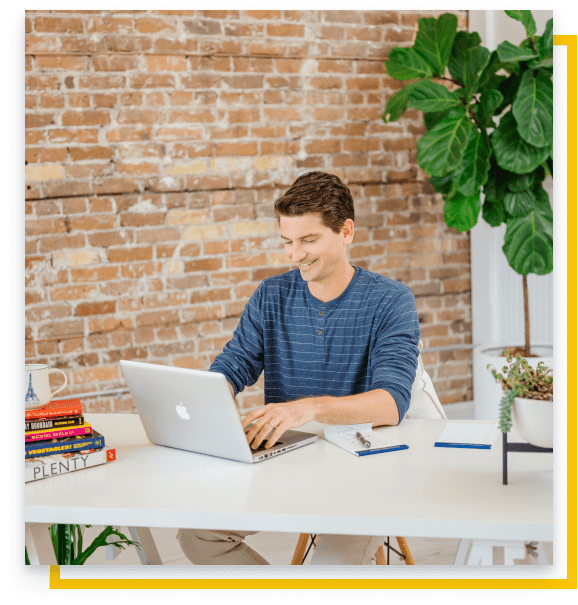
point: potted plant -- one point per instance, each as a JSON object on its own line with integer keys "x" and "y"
{"x": 528, "y": 400}
{"x": 488, "y": 145}
{"x": 67, "y": 543}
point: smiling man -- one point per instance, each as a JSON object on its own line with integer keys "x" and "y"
{"x": 337, "y": 344}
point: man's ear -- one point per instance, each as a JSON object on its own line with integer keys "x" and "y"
{"x": 348, "y": 231}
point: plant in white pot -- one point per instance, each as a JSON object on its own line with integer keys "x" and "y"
{"x": 487, "y": 149}
{"x": 528, "y": 400}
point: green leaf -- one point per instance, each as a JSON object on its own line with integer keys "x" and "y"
{"x": 442, "y": 184}
{"x": 457, "y": 61}
{"x": 476, "y": 60}
{"x": 432, "y": 118}
{"x": 472, "y": 171}
{"x": 526, "y": 18}
{"x": 511, "y": 151}
{"x": 542, "y": 198}
{"x": 488, "y": 79}
{"x": 508, "y": 88}
{"x": 528, "y": 243}
{"x": 520, "y": 182}
{"x": 489, "y": 102}
{"x": 534, "y": 109}
{"x": 508, "y": 52}
{"x": 545, "y": 43}
{"x": 434, "y": 40}
{"x": 494, "y": 213}
{"x": 546, "y": 61}
{"x": 519, "y": 203}
{"x": 427, "y": 96}
{"x": 440, "y": 149}
{"x": 461, "y": 212}
{"x": 406, "y": 64}
{"x": 397, "y": 104}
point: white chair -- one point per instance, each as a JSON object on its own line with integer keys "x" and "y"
{"x": 424, "y": 403}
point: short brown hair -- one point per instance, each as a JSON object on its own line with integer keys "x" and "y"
{"x": 318, "y": 193}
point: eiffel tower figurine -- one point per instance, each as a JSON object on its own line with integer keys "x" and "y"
{"x": 31, "y": 395}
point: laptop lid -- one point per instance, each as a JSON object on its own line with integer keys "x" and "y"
{"x": 194, "y": 410}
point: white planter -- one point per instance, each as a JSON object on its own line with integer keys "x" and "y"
{"x": 533, "y": 420}
{"x": 488, "y": 392}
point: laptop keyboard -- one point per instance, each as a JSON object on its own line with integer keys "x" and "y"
{"x": 262, "y": 446}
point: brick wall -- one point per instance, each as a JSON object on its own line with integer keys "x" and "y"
{"x": 156, "y": 142}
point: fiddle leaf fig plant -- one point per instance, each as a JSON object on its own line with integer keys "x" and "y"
{"x": 489, "y": 131}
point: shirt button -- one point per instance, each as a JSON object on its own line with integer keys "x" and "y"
{"x": 318, "y": 332}
{"x": 320, "y": 312}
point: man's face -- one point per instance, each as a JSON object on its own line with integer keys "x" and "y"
{"x": 318, "y": 252}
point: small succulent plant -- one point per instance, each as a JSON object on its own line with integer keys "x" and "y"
{"x": 519, "y": 379}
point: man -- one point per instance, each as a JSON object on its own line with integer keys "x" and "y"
{"x": 338, "y": 344}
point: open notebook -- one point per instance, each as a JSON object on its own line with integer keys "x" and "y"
{"x": 345, "y": 437}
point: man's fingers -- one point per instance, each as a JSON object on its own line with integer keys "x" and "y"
{"x": 275, "y": 436}
{"x": 251, "y": 416}
{"x": 259, "y": 432}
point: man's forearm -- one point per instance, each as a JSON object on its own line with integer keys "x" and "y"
{"x": 376, "y": 406}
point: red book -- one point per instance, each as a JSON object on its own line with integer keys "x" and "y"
{"x": 54, "y": 409}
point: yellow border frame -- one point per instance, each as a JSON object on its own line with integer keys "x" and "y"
{"x": 570, "y": 581}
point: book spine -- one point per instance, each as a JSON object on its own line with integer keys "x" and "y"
{"x": 85, "y": 429}
{"x": 53, "y": 423}
{"x": 67, "y": 407}
{"x": 34, "y": 450}
{"x": 69, "y": 465}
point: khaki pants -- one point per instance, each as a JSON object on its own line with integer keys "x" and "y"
{"x": 216, "y": 547}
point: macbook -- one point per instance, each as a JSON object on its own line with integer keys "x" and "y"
{"x": 194, "y": 411}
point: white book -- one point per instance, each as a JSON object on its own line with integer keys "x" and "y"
{"x": 345, "y": 437}
{"x": 57, "y": 464}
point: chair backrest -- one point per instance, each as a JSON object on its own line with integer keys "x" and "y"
{"x": 424, "y": 402}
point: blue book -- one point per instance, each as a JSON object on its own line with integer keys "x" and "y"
{"x": 34, "y": 449}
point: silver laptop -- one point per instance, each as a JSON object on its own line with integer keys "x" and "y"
{"x": 194, "y": 410}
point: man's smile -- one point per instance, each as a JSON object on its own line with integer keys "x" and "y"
{"x": 304, "y": 266}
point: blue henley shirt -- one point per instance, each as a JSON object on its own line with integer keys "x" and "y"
{"x": 364, "y": 339}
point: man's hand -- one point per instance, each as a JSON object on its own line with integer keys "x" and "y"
{"x": 278, "y": 417}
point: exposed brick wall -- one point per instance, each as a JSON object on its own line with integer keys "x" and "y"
{"x": 156, "y": 142}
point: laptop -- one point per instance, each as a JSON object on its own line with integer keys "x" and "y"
{"x": 194, "y": 410}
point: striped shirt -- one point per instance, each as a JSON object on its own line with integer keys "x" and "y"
{"x": 364, "y": 339}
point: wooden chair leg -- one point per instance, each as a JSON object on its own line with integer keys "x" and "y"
{"x": 402, "y": 542}
{"x": 380, "y": 556}
{"x": 300, "y": 549}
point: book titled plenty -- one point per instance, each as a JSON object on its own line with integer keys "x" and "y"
{"x": 58, "y": 464}
{"x": 66, "y": 407}
{"x": 83, "y": 429}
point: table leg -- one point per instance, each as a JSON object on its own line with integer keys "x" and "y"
{"x": 462, "y": 552}
{"x": 148, "y": 554}
{"x": 481, "y": 552}
{"x": 39, "y": 544}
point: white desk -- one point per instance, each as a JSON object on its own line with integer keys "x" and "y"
{"x": 422, "y": 491}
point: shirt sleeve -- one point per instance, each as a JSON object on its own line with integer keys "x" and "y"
{"x": 242, "y": 358}
{"x": 393, "y": 358}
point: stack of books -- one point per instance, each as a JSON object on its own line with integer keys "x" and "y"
{"x": 58, "y": 440}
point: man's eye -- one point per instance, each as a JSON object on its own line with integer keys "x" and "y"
{"x": 309, "y": 241}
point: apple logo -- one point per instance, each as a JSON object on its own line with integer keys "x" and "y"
{"x": 182, "y": 411}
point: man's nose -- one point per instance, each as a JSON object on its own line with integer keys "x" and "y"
{"x": 298, "y": 254}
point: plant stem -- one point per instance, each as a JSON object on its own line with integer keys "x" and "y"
{"x": 436, "y": 77}
{"x": 526, "y": 316}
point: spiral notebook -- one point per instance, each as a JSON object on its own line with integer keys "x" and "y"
{"x": 345, "y": 437}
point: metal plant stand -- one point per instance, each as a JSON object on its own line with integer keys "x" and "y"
{"x": 517, "y": 447}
